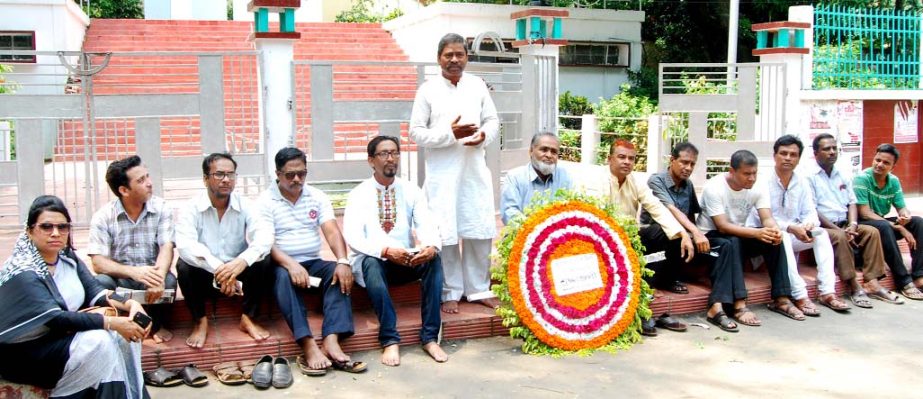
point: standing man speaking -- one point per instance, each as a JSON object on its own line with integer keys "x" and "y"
{"x": 454, "y": 119}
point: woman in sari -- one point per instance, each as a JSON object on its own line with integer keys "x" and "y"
{"x": 44, "y": 338}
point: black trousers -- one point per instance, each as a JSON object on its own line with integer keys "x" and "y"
{"x": 666, "y": 271}
{"x": 160, "y": 313}
{"x": 197, "y": 287}
{"x": 724, "y": 270}
{"x": 892, "y": 252}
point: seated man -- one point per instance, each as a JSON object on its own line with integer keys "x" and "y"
{"x": 629, "y": 192}
{"x": 727, "y": 200}
{"x": 540, "y": 175}
{"x": 131, "y": 240}
{"x": 222, "y": 238}
{"x": 836, "y": 209}
{"x": 382, "y": 216}
{"x": 793, "y": 209}
{"x": 676, "y": 192}
{"x": 877, "y": 190}
{"x": 299, "y": 214}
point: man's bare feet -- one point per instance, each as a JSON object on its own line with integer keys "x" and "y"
{"x": 435, "y": 351}
{"x": 391, "y": 356}
{"x": 314, "y": 357}
{"x": 450, "y": 307}
{"x": 162, "y": 335}
{"x": 199, "y": 332}
{"x": 256, "y": 331}
{"x": 333, "y": 350}
{"x": 492, "y": 303}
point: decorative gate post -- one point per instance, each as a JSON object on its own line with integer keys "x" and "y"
{"x": 538, "y": 34}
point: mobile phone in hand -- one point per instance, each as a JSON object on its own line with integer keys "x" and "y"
{"x": 142, "y": 320}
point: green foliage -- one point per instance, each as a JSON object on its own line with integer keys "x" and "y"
{"x": 570, "y": 145}
{"x": 531, "y": 344}
{"x": 361, "y": 12}
{"x": 625, "y": 116}
{"x": 123, "y": 9}
{"x": 597, "y": 4}
{"x": 5, "y": 86}
{"x": 571, "y": 105}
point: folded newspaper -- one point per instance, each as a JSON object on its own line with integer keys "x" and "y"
{"x": 140, "y": 295}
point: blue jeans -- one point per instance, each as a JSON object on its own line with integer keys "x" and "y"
{"x": 379, "y": 274}
{"x": 338, "y": 312}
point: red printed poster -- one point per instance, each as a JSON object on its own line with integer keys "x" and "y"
{"x": 905, "y": 122}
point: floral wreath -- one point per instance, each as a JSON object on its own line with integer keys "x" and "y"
{"x": 571, "y": 228}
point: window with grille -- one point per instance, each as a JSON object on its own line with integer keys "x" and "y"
{"x": 17, "y": 40}
{"x": 594, "y": 54}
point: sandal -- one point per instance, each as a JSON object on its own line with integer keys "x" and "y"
{"x": 806, "y": 306}
{"x": 349, "y": 367}
{"x": 738, "y": 317}
{"x": 860, "y": 299}
{"x": 886, "y": 296}
{"x": 307, "y": 370}
{"x": 722, "y": 321}
{"x": 193, "y": 377}
{"x": 678, "y": 288}
{"x": 229, "y": 373}
{"x": 911, "y": 292}
{"x": 246, "y": 368}
{"x": 162, "y": 378}
{"x": 831, "y": 301}
{"x": 786, "y": 309}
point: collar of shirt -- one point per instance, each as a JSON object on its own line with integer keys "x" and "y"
{"x": 449, "y": 82}
{"x": 276, "y": 194}
{"x": 203, "y": 202}
{"x": 148, "y": 208}
{"x": 535, "y": 178}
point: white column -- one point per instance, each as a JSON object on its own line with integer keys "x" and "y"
{"x": 276, "y": 56}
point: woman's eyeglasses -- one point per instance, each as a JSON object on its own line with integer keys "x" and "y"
{"x": 48, "y": 228}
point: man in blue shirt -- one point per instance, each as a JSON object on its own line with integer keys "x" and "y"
{"x": 542, "y": 174}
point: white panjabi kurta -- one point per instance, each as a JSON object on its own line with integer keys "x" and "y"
{"x": 458, "y": 183}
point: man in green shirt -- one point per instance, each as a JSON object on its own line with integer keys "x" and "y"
{"x": 877, "y": 190}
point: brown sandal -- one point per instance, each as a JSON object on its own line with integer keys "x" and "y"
{"x": 786, "y": 309}
{"x": 831, "y": 301}
{"x": 738, "y": 317}
{"x": 807, "y": 307}
{"x": 229, "y": 373}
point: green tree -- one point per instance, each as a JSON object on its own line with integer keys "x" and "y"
{"x": 361, "y": 12}
{"x": 122, "y": 9}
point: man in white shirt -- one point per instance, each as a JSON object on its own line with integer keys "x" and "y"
{"x": 222, "y": 240}
{"x": 383, "y": 214}
{"x": 794, "y": 210}
{"x": 299, "y": 214}
{"x": 454, "y": 120}
{"x": 541, "y": 175}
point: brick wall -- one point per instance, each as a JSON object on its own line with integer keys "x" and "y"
{"x": 877, "y": 128}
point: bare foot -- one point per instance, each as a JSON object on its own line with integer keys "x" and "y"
{"x": 256, "y": 331}
{"x": 450, "y": 307}
{"x": 391, "y": 356}
{"x": 333, "y": 350}
{"x": 162, "y": 335}
{"x": 199, "y": 332}
{"x": 435, "y": 351}
{"x": 492, "y": 303}
{"x": 314, "y": 357}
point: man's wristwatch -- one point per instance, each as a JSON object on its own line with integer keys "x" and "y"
{"x": 343, "y": 261}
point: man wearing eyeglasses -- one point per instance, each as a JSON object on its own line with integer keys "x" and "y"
{"x": 300, "y": 214}
{"x": 383, "y": 214}
{"x": 131, "y": 240}
{"x": 541, "y": 175}
{"x": 222, "y": 240}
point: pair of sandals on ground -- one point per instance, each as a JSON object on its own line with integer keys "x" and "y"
{"x": 189, "y": 375}
{"x": 263, "y": 373}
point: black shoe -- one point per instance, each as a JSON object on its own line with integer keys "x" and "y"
{"x": 668, "y": 322}
{"x": 281, "y": 373}
{"x": 647, "y": 328}
{"x": 262, "y": 373}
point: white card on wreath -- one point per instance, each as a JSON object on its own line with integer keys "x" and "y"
{"x": 576, "y": 273}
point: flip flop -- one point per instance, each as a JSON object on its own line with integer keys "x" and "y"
{"x": 307, "y": 370}
{"x": 860, "y": 299}
{"x": 786, "y": 310}
{"x": 193, "y": 377}
{"x": 229, "y": 373}
{"x": 740, "y": 312}
{"x": 349, "y": 367}
{"x": 886, "y": 296}
{"x": 831, "y": 301}
{"x": 162, "y": 377}
{"x": 722, "y": 321}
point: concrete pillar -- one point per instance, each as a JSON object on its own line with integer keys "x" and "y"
{"x": 276, "y": 73}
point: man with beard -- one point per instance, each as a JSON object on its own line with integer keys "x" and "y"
{"x": 383, "y": 214}
{"x": 836, "y": 209}
{"x": 877, "y": 190}
{"x": 222, "y": 240}
{"x": 540, "y": 175}
{"x": 454, "y": 120}
{"x": 727, "y": 200}
{"x": 300, "y": 214}
{"x": 676, "y": 192}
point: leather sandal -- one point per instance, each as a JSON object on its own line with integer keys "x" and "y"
{"x": 668, "y": 322}
{"x": 349, "y": 367}
{"x": 193, "y": 377}
{"x": 678, "y": 287}
{"x": 722, "y": 321}
{"x": 738, "y": 317}
{"x": 911, "y": 292}
{"x": 860, "y": 299}
{"x": 162, "y": 377}
{"x": 229, "y": 373}
{"x": 786, "y": 309}
{"x": 806, "y": 306}
{"x": 831, "y": 301}
{"x": 307, "y": 370}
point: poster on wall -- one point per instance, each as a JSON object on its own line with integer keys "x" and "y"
{"x": 843, "y": 120}
{"x": 905, "y": 122}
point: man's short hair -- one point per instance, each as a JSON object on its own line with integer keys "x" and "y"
{"x": 743, "y": 158}
{"x": 823, "y": 136}
{"x": 450, "y": 38}
{"x": 117, "y": 173}
{"x": 377, "y": 140}
{"x": 620, "y": 143}
{"x": 539, "y": 136}
{"x": 214, "y": 157}
{"x": 684, "y": 146}
{"x": 288, "y": 154}
{"x": 889, "y": 148}
{"x": 787, "y": 139}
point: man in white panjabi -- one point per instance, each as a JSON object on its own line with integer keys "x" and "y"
{"x": 454, "y": 120}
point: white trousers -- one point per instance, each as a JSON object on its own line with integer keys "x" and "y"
{"x": 823, "y": 255}
{"x": 467, "y": 270}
